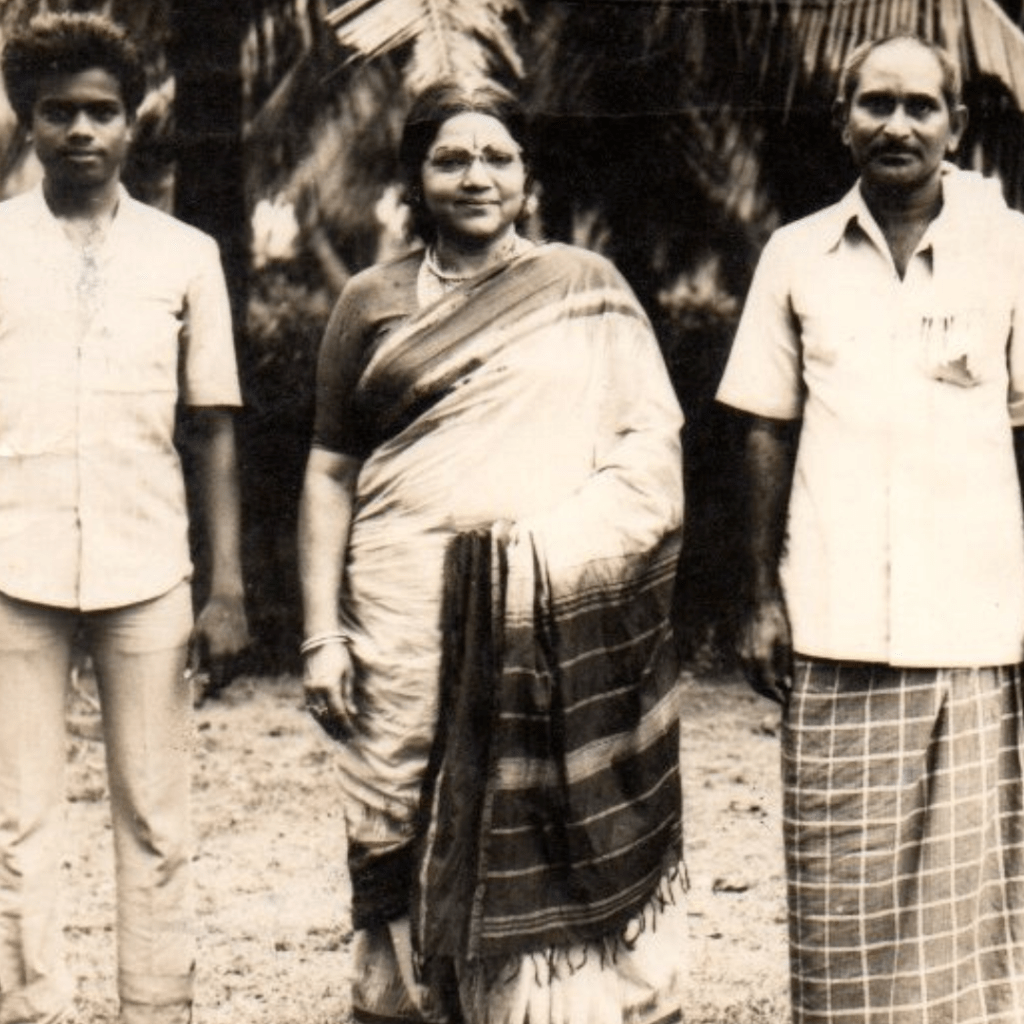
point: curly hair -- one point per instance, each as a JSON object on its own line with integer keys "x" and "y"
{"x": 66, "y": 44}
{"x": 430, "y": 110}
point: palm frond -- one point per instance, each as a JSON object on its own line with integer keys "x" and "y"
{"x": 465, "y": 39}
{"x": 998, "y": 45}
{"x": 375, "y": 27}
{"x": 979, "y": 32}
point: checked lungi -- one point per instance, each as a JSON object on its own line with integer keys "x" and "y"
{"x": 904, "y": 836}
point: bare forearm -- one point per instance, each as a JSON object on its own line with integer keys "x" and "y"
{"x": 325, "y": 516}
{"x": 221, "y": 503}
{"x": 765, "y": 645}
{"x": 770, "y": 455}
{"x": 221, "y": 631}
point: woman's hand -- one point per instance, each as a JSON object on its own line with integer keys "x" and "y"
{"x": 328, "y": 679}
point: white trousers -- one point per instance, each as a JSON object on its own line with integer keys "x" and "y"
{"x": 139, "y": 652}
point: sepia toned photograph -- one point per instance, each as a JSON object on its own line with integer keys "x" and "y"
{"x": 511, "y": 511}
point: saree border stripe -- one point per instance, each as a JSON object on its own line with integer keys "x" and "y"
{"x": 414, "y": 367}
{"x": 524, "y": 773}
{"x": 562, "y": 919}
{"x": 627, "y": 849}
{"x": 596, "y": 807}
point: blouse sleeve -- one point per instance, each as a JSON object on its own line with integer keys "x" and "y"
{"x": 337, "y": 425}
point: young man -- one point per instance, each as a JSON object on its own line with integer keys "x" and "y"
{"x": 110, "y": 314}
{"x": 887, "y": 328}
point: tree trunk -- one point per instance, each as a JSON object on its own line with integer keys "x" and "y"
{"x": 204, "y": 52}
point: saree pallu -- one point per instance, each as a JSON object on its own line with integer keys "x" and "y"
{"x": 537, "y": 396}
{"x": 552, "y": 805}
{"x": 549, "y": 881}
{"x": 904, "y": 834}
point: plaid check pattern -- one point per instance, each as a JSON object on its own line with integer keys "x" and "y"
{"x": 904, "y": 835}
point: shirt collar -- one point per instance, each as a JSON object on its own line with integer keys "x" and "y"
{"x": 852, "y": 211}
{"x": 42, "y": 214}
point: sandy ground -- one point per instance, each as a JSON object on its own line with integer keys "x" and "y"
{"x": 272, "y": 893}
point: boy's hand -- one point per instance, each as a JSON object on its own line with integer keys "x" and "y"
{"x": 220, "y": 635}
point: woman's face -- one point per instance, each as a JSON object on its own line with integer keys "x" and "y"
{"x": 474, "y": 179}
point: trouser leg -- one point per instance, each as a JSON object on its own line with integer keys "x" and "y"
{"x": 140, "y": 654}
{"x": 35, "y": 658}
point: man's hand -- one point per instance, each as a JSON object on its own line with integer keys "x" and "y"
{"x": 328, "y": 678}
{"x": 766, "y": 644}
{"x": 220, "y": 634}
{"x": 766, "y": 650}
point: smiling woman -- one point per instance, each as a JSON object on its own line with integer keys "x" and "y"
{"x": 489, "y": 532}
{"x": 465, "y": 161}
{"x": 474, "y": 185}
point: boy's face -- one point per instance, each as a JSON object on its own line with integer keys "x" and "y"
{"x": 81, "y": 130}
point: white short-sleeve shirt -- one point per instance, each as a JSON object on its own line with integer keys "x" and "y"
{"x": 905, "y": 541}
{"x": 95, "y": 354}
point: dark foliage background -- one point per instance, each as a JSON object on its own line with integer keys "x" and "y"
{"x": 672, "y": 135}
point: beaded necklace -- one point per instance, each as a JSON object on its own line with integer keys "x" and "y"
{"x": 433, "y": 282}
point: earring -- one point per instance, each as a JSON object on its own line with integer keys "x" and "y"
{"x": 530, "y": 205}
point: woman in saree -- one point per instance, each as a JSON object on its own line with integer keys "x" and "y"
{"x": 489, "y": 531}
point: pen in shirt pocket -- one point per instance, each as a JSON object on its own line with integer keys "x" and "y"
{"x": 949, "y": 346}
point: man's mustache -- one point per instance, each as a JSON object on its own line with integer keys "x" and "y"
{"x": 893, "y": 149}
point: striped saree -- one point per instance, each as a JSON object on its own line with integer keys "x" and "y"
{"x": 554, "y": 811}
{"x": 527, "y": 778}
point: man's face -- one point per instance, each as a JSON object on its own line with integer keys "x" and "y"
{"x": 81, "y": 130}
{"x": 899, "y": 126}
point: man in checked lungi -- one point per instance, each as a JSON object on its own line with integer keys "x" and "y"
{"x": 881, "y": 361}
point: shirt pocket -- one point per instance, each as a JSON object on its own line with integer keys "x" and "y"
{"x": 960, "y": 347}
